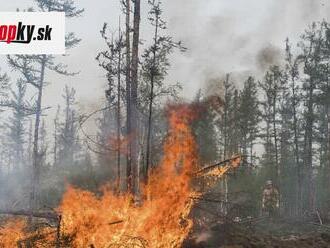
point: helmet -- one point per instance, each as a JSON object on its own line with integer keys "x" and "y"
{"x": 269, "y": 182}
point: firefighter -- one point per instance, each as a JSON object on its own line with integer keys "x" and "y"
{"x": 270, "y": 200}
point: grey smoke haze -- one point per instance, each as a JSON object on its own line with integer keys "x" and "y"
{"x": 238, "y": 36}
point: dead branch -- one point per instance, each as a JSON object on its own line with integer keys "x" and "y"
{"x": 116, "y": 222}
{"x": 221, "y": 163}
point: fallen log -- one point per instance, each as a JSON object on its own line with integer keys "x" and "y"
{"x": 44, "y": 215}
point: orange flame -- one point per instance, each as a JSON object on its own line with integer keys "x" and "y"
{"x": 12, "y": 232}
{"x": 15, "y": 234}
{"x": 161, "y": 219}
{"x": 218, "y": 172}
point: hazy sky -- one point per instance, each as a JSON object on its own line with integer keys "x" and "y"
{"x": 221, "y": 36}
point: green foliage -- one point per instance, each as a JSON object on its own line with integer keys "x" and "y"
{"x": 205, "y": 133}
{"x": 249, "y": 115}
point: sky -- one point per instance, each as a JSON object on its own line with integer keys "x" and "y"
{"x": 240, "y": 37}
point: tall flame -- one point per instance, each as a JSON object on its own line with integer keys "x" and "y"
{"x": 161, "y": 220}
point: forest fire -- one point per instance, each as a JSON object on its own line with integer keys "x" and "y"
{"x": 217, "y": 172}
{"x": 12, "y": 233}
{"x": 100, "y": 147}
{"x": 160, "y": 219}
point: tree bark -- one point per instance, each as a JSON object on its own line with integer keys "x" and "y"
{"x": 278, "y": 169}
{"x": 296, "y": 147}
{"x": 128, "y": 96}
{"x": 308, "y": 153}
{"x": 34, "y": 198}
{"x": 327, "y": 158}
{"x": 134, "y": 89}
{"x": 225, "y": 128}
{"x": 55, "y": 142}
{"x": 119, "y": 113}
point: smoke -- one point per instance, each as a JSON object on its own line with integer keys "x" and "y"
{"x": 14, "y": 189}
{"x": 238, "y": 37}
{"x": 267, "y": 57}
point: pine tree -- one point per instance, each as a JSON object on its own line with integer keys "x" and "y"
{"x": 111, "y": 61}
{"x": 226, "y": 120}
{"x": 249, "y": 117}
{"x": 33, "y": 69}
{"x": 204, "y": 129}
{"x": 15, "y": 125}
{"x": 272, "y": 87}
{"x": 292, "y": 71}
{"x": 311, "y": 57}
{"x": 154, "y": 68}
{"x": 133, "y": 180}
{"x": 4, "y": 86}
{"x": 67, "y": 131}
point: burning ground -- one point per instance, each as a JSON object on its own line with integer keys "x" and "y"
{"x": 158, "y": 217}
{"x": 164, "y": 214}
{"x": 277, "y": 120}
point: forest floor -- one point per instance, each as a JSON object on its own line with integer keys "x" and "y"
{"x": 266, "y": 233}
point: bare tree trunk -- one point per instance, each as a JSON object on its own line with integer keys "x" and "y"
{"x": 327, "y": 129}
{"x": 149, "y": 132}
{"x": 56, "y": 120}
{"x": 134, "y": 89}
{"x": 296, "y": 148}
{"x": 34, "y": 198}
{"x": 268, "y": 139}
{"x": 225, "y": 134}
{"x": 30, "y": 143}
{"x": 128, "y": 96}
{"x": 251, "y": 153}
{"x": 278, "y": 169}
{"x": 308, "y": 153}
{"x": 328, "y": 135}
{"x": 119, "y": 112}
{"x": 55, "y": 142}
{"x": 226, "y": 195}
